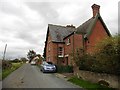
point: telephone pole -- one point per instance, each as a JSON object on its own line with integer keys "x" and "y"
{"x": 4, "y": 52}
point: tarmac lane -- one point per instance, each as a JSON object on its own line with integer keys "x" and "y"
{"x": 30, "y": 76}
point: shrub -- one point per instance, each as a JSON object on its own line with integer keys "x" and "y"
{"x": 64, "y": 69}
{"x": 15, "y": 61}
{"x": 6, "y": 64}
{"x": 104, "y": 59}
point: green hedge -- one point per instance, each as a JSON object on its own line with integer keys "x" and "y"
{"x": 104, "y": 59}
{"x": 65, "y": 69}
{"x": 6, "y": 64}
{"x": 100, "y": 65}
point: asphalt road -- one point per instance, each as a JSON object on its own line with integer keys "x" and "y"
{"x": 29, "y": 76}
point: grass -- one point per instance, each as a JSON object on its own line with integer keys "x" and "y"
{"x": 88, "y": 85}
{"x": 0, "y": 76}
{"x": 6, "y": 72}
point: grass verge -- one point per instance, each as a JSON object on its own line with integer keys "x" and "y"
{"x": 6, "y": 72}
{"x": 88, "y": 85}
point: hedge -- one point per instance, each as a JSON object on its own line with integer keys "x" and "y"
{"x": 64, "y": 69}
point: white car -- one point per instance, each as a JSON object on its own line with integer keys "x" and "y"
{"x": 33, "y": 63}
{"x": 27, "y": 61}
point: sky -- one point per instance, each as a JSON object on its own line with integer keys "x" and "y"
{"x": 23, "y": 23}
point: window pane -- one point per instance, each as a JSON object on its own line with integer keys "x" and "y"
{"x": 60, "y": 51}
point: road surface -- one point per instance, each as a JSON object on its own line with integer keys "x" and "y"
{"x": 30, "y": 76}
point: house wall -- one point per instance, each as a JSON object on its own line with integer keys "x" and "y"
{"x": 98, "y": 34}
{"x": 51, "y": 52}
{"x": 78, "y": 42}
{"x": 68, "y": 50}
{"x": 48, "y": 51}
{"x": 60, "y": 60}
{"x": 75, "y": 43}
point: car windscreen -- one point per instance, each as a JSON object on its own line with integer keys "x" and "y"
{"x": 48, "y": 65}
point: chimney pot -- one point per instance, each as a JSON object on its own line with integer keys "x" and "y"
{"x": 95, "y": 9}
{"x": 71, "y": 26}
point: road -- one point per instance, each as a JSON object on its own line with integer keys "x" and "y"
{"x": 29, "y": 76}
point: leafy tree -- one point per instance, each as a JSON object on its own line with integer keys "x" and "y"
{"x": 77, "y": 56}
{"x": 15, "y": 60}
{"x": 23, "y": 59}
{"x": 31, "y": 54}
{"x": 40, "y": 58}
{"x": 44, "y": 53}
{"x": 105, "y": 59}
{"x": 108, "y": 54}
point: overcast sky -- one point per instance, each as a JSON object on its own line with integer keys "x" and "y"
{"x": 23, "y": 23}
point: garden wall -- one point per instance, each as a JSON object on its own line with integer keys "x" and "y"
{"x": 97, "y": 77}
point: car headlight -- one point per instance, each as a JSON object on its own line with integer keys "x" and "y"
{"x": 45, "y": 67}
{"x": 54, "y": 66}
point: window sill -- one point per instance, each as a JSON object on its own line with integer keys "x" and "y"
{"x": 68, "y": 44}
{"x": 60, "y": 56}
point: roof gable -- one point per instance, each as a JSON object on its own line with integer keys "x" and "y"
{"x": 87, "y": 27}
{"x": 58, "y": 33}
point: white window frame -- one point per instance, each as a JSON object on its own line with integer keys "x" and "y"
{"x": 68, "y": 41}
{"x": 60, "y": 53}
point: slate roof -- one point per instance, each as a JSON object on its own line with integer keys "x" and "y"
{"x": 58, "y": 33}
{"x": 87, "y": 27}
{"x": 82, "y": 29}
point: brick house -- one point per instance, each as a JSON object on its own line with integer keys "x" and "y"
{"x": 62, "y": 41}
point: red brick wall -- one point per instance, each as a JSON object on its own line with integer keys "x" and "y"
{"x": 75, "y": 42}
{"x": 78, "y": 43}
{"x": 51, "y": 50}
{"x": 68, "y": 49}
{"x": 96, "y": 36}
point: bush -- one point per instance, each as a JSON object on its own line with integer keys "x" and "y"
{"x": 104, "y": 60}
{"x": 65, "y": 69}
{"x": 15, "y": 61}
{"x": 6, "y": 64}
{"x": 87, "y": 62}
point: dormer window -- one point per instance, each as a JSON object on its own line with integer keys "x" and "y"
{"x": 68, "y": 41}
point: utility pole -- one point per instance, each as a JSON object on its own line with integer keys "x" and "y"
{"x": 4, "y": 52}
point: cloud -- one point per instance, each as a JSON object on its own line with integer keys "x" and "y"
{"x": 23, "y": 23}
{"x": 119, "y": 17}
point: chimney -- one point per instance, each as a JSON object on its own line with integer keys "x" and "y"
{"x": 71, "y": 26}
{"x": 95, "y": 9}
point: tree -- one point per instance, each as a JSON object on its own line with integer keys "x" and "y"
{"x": 39, "y": 60}
{"x": 108, "y": 54}
{"x": 44, "y": 53}
{"x": 16, "y": 60}
{"x": 23, "y": 59}
{"x": 105, "y": 59}
{"x": 31, "y": 54}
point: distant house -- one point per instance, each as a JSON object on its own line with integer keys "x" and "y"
{"x": 62, "y": 41}
{"x": 37, "y": 59}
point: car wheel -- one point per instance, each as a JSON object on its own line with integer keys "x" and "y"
{"x": 43, "y": 70}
